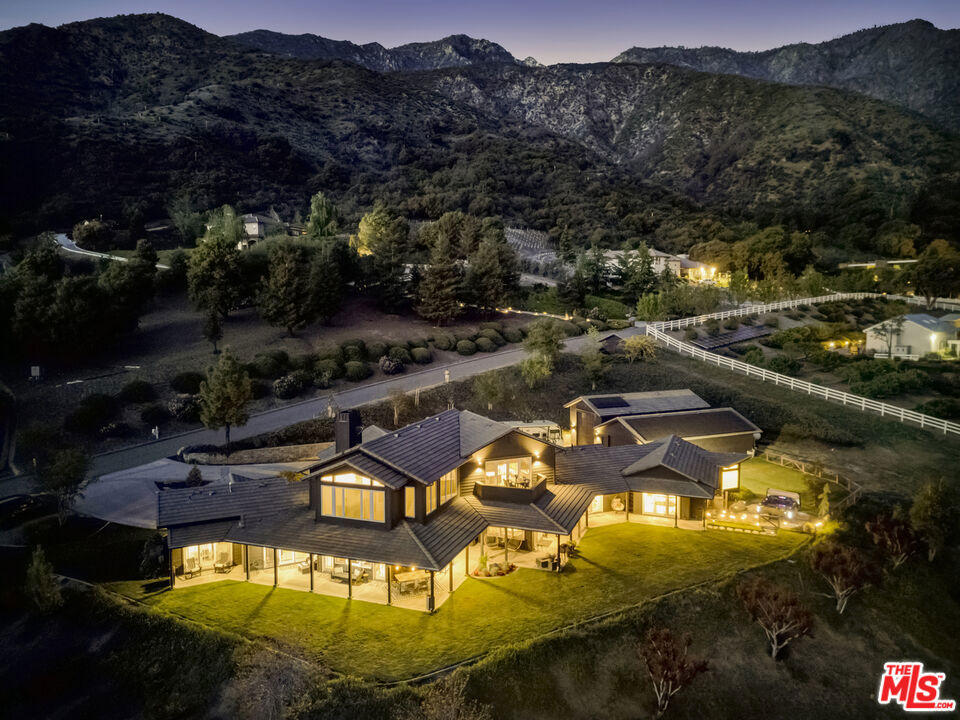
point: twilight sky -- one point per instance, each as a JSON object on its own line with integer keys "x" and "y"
{"x": 550, "y": 30}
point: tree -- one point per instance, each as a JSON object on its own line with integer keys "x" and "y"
{"x": 399, "y": 402}
{"x": 894, "y": 537}
{"x": 489, "y": 389}
{"x": 776, "y": 609}
{"x": 383, "y": 235}
{"x": 650, "y": 307}
{"x": 63, "y": 476}
{"x": 669, "y": 666}
{"x": 846, "y": 570}
{"x": 194, "y": 477}
{"x": 188, "y": 222}
{"x": 324, "y": 220}
{"x": 483, "y": 283}
{"x": 889, "y": 331}
{"x": 284, "y": 298}
{"x": 41, "y": 587}
{"x": 224, "y": 395}
{"x": 933, "y": 516}
{"x": 214, "y": 277}
{"x": 93, "y": 235}
{"x": 544, "y": 337}
{"x": 639, "y": 347}
{"x": 534, "y": 369}
{"x": 811, "y": 283}
{"x": 446, "y": 700}
{"x": 637, "y": 276}
{"x": 739, "y": 286}
{"x": 936, "y": 272}
{"x": 326, "y": 285}
{"x": 592, "y": 358}
{"x": 823, "y": 507}
{"x": 213, "y": 328}
{"x": 572, "y": 292}
{"x": 438, "y": 289}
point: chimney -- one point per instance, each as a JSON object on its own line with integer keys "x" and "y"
{"x": 346, "y": 430}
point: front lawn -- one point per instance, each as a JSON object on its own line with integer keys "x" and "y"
{"x": 618, "y": 566}
{"x": 757, "y": 475}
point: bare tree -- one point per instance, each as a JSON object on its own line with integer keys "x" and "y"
{"x": 669, "y": 666}
{"x": 779, "y": 611}
{"x": 894, "y": 537}
{"x": 846, "y": 570}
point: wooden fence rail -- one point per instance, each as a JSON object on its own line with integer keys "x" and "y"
{"x": 854, "y": 489}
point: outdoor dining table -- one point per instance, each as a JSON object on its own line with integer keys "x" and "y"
{"x": 412, "y": 580}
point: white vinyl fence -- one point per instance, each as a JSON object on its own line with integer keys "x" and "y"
{"x": 656, "y": 331}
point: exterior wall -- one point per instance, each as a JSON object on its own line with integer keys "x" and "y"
{"x": 616, "y": 434}
{"x": 582, "y": 422}
{"x": 514, "y": 444}
{"x": 912, "y": 340}
{"x": 739, "y": 443}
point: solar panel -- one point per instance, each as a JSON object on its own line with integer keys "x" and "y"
{"x": 604, "y": 403}
{"x": 741, "y": 334}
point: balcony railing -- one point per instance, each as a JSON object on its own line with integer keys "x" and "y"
{"x": 519, "y": 495}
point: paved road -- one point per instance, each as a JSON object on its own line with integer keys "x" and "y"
{"x": 317, "y": 407}
{"x": 70, "y": 246}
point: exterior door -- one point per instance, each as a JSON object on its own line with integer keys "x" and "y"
{"x": 662, "y": 505}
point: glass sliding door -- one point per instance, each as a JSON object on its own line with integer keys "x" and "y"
{"x": 657, "y": 504}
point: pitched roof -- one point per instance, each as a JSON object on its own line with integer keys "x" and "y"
{"x": 233, "y": 500}
{"x": 515, "y": 515}
{"x": 927, "y": 322}
{"x": 641, "y": 403}
{"x": 686, "y": 424}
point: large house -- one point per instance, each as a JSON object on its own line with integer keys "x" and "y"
{"x": 918, "y": 335}
{"x": 402, "y": 517}
{"x": 715, "y": 429}
{"x": 589, "y": 411}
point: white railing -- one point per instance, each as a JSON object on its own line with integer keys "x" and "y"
{"x": 900, "y": 356}
{"x": 856, "y": 401}
{"x": 757, "y": 310}
{"x": 938, "y": 304}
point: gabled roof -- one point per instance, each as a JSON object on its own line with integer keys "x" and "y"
{"x": 927, "y": 322}
{"x": 640, "y": 403}
{"x": 688, "y": 424}
{"x": 681, "y": 457}
{"x": 234, "y": 500}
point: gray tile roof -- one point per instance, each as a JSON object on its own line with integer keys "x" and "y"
{"x": 640, "y": 403}
{"x": 371, "y": 467}
{"x": 218, "y": 501}
{"x": 448, "y": 531}
{"x": 514, "y": 515}
{"x": 477, "y": 431}
{"x": 687, "y": 423}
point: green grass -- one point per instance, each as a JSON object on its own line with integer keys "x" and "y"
{"x": 756, "y": 475}
{"x": 619, "y": 566}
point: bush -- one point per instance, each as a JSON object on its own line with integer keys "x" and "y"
{"x": 137, "y": 391}
{"x": 304, "y": 362}
{"x": 351, "y": 353}
{"x": 945, "y": 408}
{"x": 420, "y": 342}
{"x": 747, "y": 320}
{"x": 492, "y": 335}
{"x": 466, "y": 347}
{"x": 772, "y": 322}
{"x": 357, "y": 343}
{"x": 329, "y": 366}
{"x": 890, "y": 384}
{"x": 280, "y": 357}
{"x": 335, "y": 353}
{"x": 444, "y": 341}
{"x": 265, "y": 366}
{"x": 288, "y": 386}
{"x": 690, "y": 334}
{"x": 485, "y": 344}
{"x": 712, "y": 327}
{"x": 116, "y": 430}
{"x": 731, "y": 323}
{"x": 376, "y": 350}
{"x": 464, "y": 335}
{"x": 795, "y": 315}
{"x": 390, "y": 365}
{"x": 187, "y": 383}
{"x": 154, "y": 415}
{"x": 355, "y": 371}
{"x": 583, "y": 325}
{"x": 184, "y": 408}
{"x": 93, "y": 412}
{"x": 618, "y": 324}
{"x": 569, "y": 329}
{"x": 400, "y": 354}
{"x": 492, "y": 325}
{"x": 421, "y": 356}
{"x": 258, "y": 390}
{"x": 513, "y": 335}
{"x": 785, "y": 365}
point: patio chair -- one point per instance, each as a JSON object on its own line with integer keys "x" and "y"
{"x": 514, "y": 544}
{"x": 224, "y": 563}
{"x": 191, "y": 568}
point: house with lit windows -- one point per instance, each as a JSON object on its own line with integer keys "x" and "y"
{"x": 403, "y": 517}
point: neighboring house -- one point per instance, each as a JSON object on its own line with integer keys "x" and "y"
{"x": 696, "y": 271}
{"x": 919, "y": 335}
{"x": 665, "y": 261}
{"x": 588, "y": 411}
{"x": 402, "y": 518}
{"x": 714, "y": 429}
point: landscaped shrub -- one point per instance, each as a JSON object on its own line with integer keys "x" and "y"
{"x": 184, "y": 408}
{"x": 352, "y": 352}
{"x": 377, "y": 350}
{"x": 512, "y": 335}
{"x": 356, "y": 371}
{"x": 444, "y": 341}
{"x": 303, "y": 362}
{"x": 390, "y": 365}
{"x": 137, "y": 391}
{"x": 795, "y": 315}
{"x": 329, "y": 366}
{"x": 583, "y": 325}
{"x": 419, "y": 342}
{"x": 731, "y": 323}
{"x": 785, "y": 365}
{"x": 288, "y": 386}
{"x": 618, "y": 323}
{"x": 945, "y": 408}
{"x": 891, "y": 384}
{"x": 187, "y": 383}
{"x": 690, "y": 334}
{"x": 712, "y": 327}
{"x": 772, "y": 321}
{"x": 485, "y": 344}
{"x": 93, "y": 412}
{"x": 464, "y": 335}
{"x": 492, "y": 325}
{"x": 747, "y": 320}
{"x": 494, "y": 336}
{"x": 400, "y": 353}
{"x": 357, "y": 343}
{"x": 421, "y": 356}
{"x": 154, "y": 415}
{"x": 570, "y": 329}
{"x": 265, "y": 366}
{"x": 466, "y": 347}
{"x": 335, "y": 353}
{"x": 803, "y": 308}
{"x": 754, "y": 356}
{"x": 280, "y": 357}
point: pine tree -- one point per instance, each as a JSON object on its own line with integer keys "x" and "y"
{"x": 224, "y": 395}
{"x": 284, "y": 297}
{"x": 326, "y": 286}
{"x": 383, "y": 235}
{"x": 483, "y": 284}
{"x": 438, "y": 290}
{"x": 324, "y": 220}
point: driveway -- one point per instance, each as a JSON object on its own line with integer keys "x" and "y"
{"x": 70, "y": 246}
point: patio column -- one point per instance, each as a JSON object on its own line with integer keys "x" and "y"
{"x": 466, "y": 562}
{"x": 431, "y": 602}
{"x": 246, "y": 561}
{"x": 349, "y": 579}
{"x": 558, "y": 553}
{"x": 627, "y": 504}
{"x": 170, "y": 565}
{"x": 506, "y": 550}
{"x": 276, "y": 568}
{"x": 389, "y": 583}
{"x": 451, "y": 576}
{"x": 675, "y": 504}
{"x": 586, "y": 516}
{"x": 311, "y": 572}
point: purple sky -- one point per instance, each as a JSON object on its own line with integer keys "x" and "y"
{"x": 550, "y": 30}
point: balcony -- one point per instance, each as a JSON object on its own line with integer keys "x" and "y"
{"x": 519, "y": 495}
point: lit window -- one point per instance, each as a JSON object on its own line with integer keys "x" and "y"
{"x": 431, "y": 498}
{"x": 448, "y": 486}
{"x": 730, "y": 478}
{"x": 513, "y": 472}
{"x": 410, "y": 500}
{"x": 352, "y": 503}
